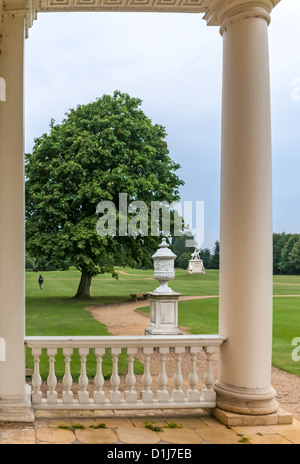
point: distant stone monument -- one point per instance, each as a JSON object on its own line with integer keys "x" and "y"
{"x": 196, "y": 264}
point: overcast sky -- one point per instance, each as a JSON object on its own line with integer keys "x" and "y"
{"x": 173, "y": 62}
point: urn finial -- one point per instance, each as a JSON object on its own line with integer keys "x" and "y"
{"x": 164, "y": 266}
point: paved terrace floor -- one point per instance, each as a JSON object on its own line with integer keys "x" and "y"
{"x": 128, "y": 427}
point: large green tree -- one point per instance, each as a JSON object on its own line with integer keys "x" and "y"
{"x": 99, "y": 150}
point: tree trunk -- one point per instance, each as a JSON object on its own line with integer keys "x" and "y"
{"x": 83, "y": 291}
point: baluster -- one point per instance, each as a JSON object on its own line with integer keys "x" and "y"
{"x": 146, "y": 393}
{"x": 67, "y": 395}
{"x": 83, "y": 381}
{"x": 208, "y": 393}
{"x": 130, "y": 394}
{"x": 178, "y": 394}
{"x": 115, "y": 395}
{"x": 36, "y": 379}
{"x": 162, "y": 393}
{"x": 99, "y": 396}
{"x": 193, "y": 393}
{"x": 52, "y": 380}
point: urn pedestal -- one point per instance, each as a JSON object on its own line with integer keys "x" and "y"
{"x": 163, "y": 314}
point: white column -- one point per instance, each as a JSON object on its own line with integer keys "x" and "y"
{"x": 14, "y": 395}
{"x": 246, "y": 216}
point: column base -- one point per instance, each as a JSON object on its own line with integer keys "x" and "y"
{"x": 249, "y": 401}
{"x": 231, "y": 419}
{"x": 17, "y": 409}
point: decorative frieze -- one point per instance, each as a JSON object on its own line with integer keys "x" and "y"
{"x": 191, "y": 6}
{"x": 217, "y": 12}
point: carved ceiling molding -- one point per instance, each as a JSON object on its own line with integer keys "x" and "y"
{"x": 217, "y": 12}
{"x": 30, "y": 8}
{"x": 192, "y": 6}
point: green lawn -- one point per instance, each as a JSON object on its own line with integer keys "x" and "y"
{"x": 202, "y": 317}
{"x": 52, "y": 311}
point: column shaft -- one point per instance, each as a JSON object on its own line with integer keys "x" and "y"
{"x": 13, "y": 391}
{"x": 246, "y": 220}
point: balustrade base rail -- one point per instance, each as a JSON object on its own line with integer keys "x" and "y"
{"x": 109, "y": 406}
{"x": 170, "y": 392}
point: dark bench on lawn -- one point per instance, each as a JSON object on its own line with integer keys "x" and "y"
{"x": 139, "y": 296}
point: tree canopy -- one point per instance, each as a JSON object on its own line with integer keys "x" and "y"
{"x": 100, "y": 150}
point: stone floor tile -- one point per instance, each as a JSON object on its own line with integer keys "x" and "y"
{"x": 212, "y": 422}
{"x": 117, "y": 422}
{"x": 187, "y": 422}
{"x": 180, "y": 436}
{"x": 218, "y": 435}
{"x": 96, "y": 436}
{"x": 85, "y": 421}
{"x": 260, "y": 435}
{"x": 268, "y": 439}
{"x": 140, "y": 421}
{"x": 289, "y": 432}
{"x": 137, "y": 435}
{"x": 14, "y": 436}
{"x": 55, "y": 436}
{"x": 250, "y": 431}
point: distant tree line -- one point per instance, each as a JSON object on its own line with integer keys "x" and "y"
{"x": 286, "y": 253}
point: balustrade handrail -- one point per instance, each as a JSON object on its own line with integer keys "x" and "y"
{"x": 136, "y": 341}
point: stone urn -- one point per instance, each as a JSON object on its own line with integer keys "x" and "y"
{"x": 164, "y": 267}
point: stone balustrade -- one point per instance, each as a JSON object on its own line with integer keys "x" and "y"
{"x": 153, "y": 389}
